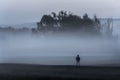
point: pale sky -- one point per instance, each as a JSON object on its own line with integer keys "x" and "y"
{"x": 24, "y": 11}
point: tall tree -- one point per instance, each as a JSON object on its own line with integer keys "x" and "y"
{"x": 67, "y": 21}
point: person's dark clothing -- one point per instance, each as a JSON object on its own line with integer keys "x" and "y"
{"x": 77, "y": 59}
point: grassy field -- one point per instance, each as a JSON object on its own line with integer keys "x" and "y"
{"x": 48, "y": 72}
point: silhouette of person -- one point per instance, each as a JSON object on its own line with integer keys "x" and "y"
{"x": 78, "y": 60}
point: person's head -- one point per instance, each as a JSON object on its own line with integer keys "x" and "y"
{"x": 78, "y": 55}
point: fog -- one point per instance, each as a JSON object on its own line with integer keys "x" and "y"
{"x": 58, "y": 49}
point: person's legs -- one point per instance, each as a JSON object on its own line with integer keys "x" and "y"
{"x": 77, "y": 63}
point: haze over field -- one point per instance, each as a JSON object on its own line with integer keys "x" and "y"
{"x": 39, "y": 43}
{"x": 58, "y": 50}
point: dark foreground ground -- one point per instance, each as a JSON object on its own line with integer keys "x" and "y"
{"x": 39, "y": 72}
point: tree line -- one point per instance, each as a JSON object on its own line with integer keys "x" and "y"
{"x": 67, "y": 21}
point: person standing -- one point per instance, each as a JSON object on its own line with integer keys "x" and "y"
{"x": 78, "y": 60}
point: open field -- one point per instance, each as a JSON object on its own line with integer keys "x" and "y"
{"x": 48, "y": 72}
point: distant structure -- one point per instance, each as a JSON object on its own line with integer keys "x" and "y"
{"x": 107, "y": 27}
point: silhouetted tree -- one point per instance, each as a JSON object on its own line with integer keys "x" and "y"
{"x": 96, "y": 20}
{"x": 66, "y": 21}
{"x": 47, "y": 22}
